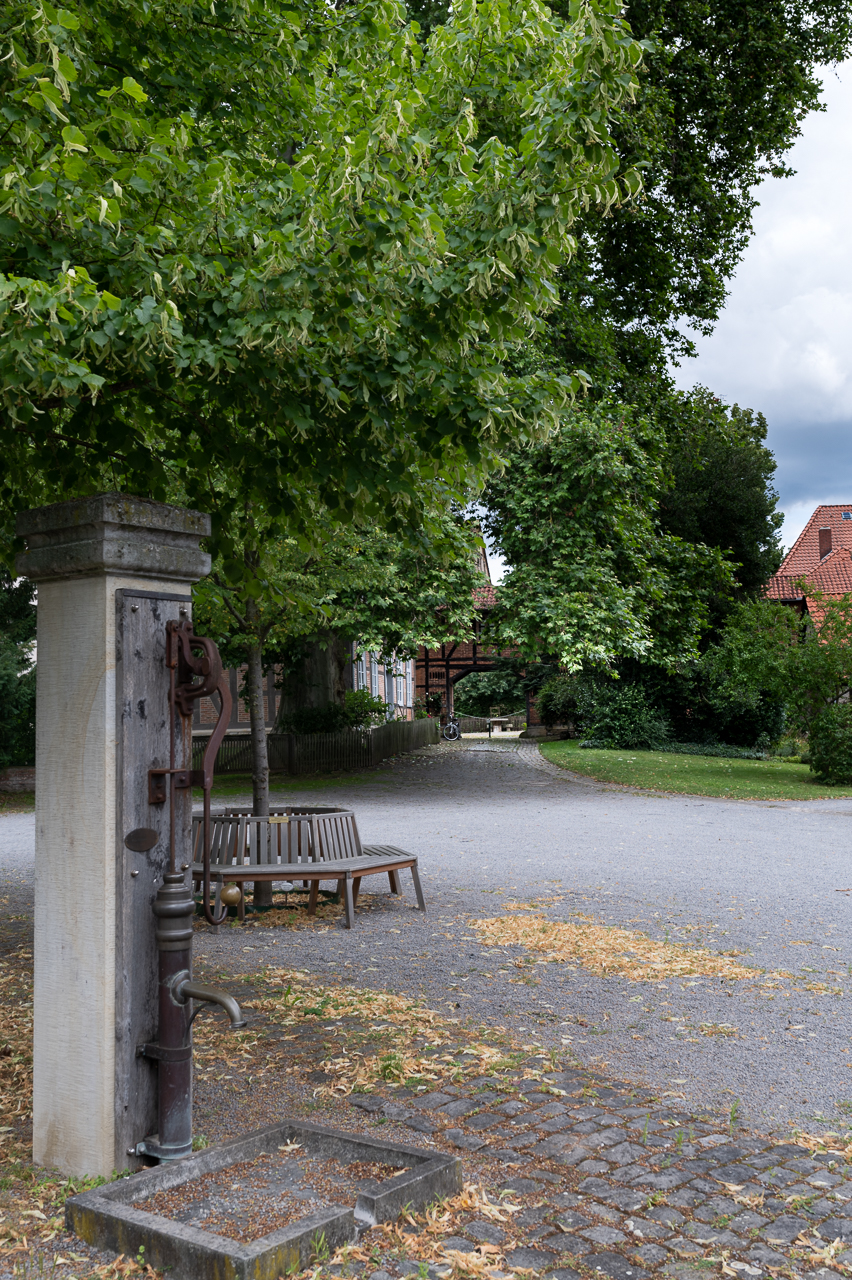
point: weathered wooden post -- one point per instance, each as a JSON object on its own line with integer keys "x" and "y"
{"x": 111, "y": 572}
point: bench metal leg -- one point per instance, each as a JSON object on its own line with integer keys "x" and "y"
{"x": 395, "y": 885}
{"x": 218, "y": 885}
{"x": 349, "y": 901}
{"x": 241, "y": 905}
{"x": 421, "y": 901}
{"x": 312, "y": 898}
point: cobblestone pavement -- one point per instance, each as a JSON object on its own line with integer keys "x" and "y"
{"x": 610, "y": 1181}
{"x": 590, "y": 1175}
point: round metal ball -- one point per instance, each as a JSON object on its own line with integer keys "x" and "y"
{"x": 230, "y": 895}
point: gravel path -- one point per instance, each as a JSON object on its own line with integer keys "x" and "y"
{"x": 496, "y": 820}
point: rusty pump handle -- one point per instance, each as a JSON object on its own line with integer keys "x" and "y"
{"x": 185, "y": 664}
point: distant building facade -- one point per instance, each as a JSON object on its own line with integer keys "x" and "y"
{"x": 393, "y": 682}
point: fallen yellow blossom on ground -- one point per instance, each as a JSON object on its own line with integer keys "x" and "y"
{"x": 403, "y": 1041}
{"x": 607, "y": 950}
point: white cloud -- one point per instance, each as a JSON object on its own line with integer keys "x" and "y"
{"x": 783, "y": 345}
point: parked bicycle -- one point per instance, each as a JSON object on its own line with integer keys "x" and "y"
{"x": 451, "y": 730}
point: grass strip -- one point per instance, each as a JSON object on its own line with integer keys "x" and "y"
{"x": 694, "y": 775}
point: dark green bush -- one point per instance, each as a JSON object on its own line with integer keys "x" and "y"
{"x": 359, "y": 711}
{"x": 17, "y": 706}
{"x": 622, "y": 716}
{"x": 559, "y": 700}
{"x": 363, "y": 710}
{"x": 699, "y": 707}
{"x": 608, "y": 712}
{"x": 722, "y": 750}
{"x": 831, "y": 745}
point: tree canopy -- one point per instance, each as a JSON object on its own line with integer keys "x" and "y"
{"x": 720, "y": 489}
{"x": 292, "y": 242}
{"x": 724, "y": 89}
{"x": 387, "y": 594}
{"x": 803, "y": 662}
{"x": 594, "y": 578}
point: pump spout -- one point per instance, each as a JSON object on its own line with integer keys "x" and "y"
{"x": 188, "y": 990}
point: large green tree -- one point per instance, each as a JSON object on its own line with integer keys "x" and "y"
{"x": 349, "y": 584}
{"x": 724, "y": 88}
{"x": 291, "y": 242}
{"x": 594, "y": 578}
{"x": 803, "y": 662}
{"x": 631, "y": 538}
{"x": 721, "y": 491}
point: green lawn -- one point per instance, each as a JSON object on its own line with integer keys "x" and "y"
{"x": 695, "y": 775}
{"x": 281, "y": 785}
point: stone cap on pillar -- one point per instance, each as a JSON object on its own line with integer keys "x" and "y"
{"x": 113, "y": 533}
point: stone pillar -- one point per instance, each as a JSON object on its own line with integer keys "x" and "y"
{"x": 111, "y": 570}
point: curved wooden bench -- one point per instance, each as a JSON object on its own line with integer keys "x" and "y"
{"x": 310, "y": 845}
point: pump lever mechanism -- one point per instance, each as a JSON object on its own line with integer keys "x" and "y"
{"x": 195, "y": 671}
{"x": 189, "y": 656}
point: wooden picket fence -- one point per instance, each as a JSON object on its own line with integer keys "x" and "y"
{"x": 301, "y": 753}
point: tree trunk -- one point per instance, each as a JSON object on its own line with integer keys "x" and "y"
{"x": 259, "y": 747}
{"x": 321, "y": 678}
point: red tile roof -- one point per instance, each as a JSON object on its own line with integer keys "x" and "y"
{"x": 804, "y": 554}
{"x": 831, "y": 573}
{"x": 484, "y": 597}
{"x": 782, "y": 587}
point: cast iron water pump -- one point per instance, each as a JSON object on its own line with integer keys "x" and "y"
{"x": 195, "y": 671}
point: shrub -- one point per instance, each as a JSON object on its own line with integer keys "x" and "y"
{"x": 831, "y": 745}
{"x": 363, "y": 710}
{"x": 624, "y": 717}
{"x": 17, "y": 706}
{"x": 609, "y": 713}
{"x": 359, "y": 711}
{"x": 723, "y": 750}
{"x": 559, "y": 700}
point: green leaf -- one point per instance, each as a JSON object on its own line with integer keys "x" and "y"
{"x": 66, "y": 68}
{"x": 74, "y": 138}
{"x": 133, "y": 90}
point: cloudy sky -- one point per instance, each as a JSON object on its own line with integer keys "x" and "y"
{"x": 783, "y": 344}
